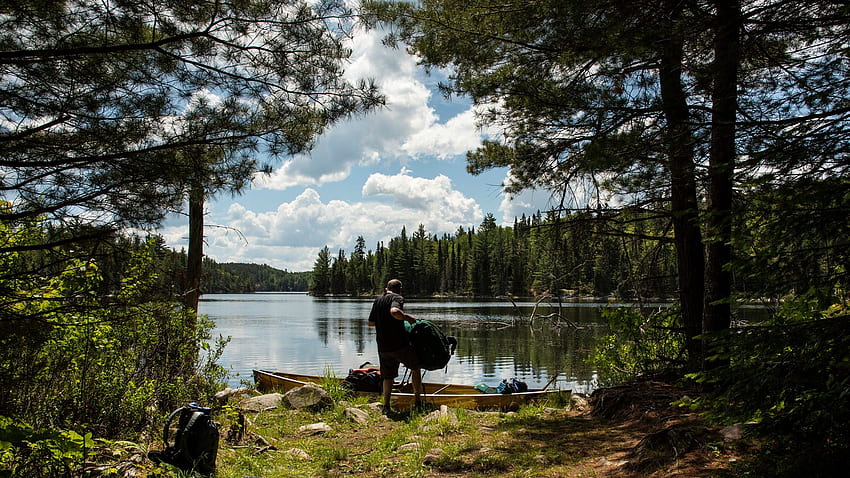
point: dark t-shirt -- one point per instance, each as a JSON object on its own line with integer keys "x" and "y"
{"x": 389, "y": 331}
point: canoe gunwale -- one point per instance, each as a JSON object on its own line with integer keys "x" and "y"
{"x": 266, "y": 379}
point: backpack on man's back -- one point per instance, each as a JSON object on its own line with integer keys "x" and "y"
{"x": 432, "y": 346}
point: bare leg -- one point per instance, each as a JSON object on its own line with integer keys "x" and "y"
{"x": 387, "y": 390}
{"x": 416, "y": 375}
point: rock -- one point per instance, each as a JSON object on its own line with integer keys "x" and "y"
{"x": 442, "y": 413}
{"x": 375, "y": 407}
{"x": 409, "y": 447}
{"x": 224, "y": 396}
{"x": 309, "y": 397}
{"x": 606, "y": 462}
{"x": 262, "y": 402}
{"x": 731, "y": 433}
{"x": 578, "y": 402}
{"x": 432, "y": 457}
{"x": 315, "y": 428}
{"x": 541, "y": 459}
{"x": 298, "y": 453}
{"x": 357, "y": 415}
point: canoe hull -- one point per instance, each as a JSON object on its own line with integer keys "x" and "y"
{"x": 436, "y": 394}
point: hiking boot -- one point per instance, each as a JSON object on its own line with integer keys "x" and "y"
{"x": 421, "y": 407}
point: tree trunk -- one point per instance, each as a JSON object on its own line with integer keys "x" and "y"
{"x": 196, "y": 247}
{"x": 683, "y": 193}
{"x": 718, "y": 312}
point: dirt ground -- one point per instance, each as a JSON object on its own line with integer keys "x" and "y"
{"x": 626, "y": 431}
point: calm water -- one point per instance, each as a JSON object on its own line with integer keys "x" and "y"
{"x": 299, "y": 333}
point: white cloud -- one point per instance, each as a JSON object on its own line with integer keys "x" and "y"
{"x": 581, "y": 193}
{"x": 423, "y": 194}
{"x": 456, "y": 136}
{"x": 407, "y": 128}
{"x": 288, "y": 235}
{"x": 291, "y": 235}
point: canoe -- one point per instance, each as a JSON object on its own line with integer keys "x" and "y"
{"x": 436, "y": 394}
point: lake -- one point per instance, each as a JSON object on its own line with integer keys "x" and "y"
{"x": 304, "y": 334}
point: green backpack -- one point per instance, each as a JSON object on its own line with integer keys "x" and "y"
{"x": 432, "y": 346}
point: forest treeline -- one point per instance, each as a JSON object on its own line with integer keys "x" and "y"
{"x": 625, "y": 254}
{"x": 216, "y": 278}
{"x": 582, "y": 254}
{"x": 241, "y": 278}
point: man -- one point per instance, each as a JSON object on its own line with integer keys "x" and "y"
{"x": 388, "y": 318}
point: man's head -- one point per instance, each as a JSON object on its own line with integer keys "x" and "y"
{"x": 394, "y": 285}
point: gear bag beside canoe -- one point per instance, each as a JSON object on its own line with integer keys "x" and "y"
{"x": 367, "y": 378}
{"x": 432, "y": 346}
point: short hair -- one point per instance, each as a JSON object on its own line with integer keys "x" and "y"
{"x": 394, "y": 285}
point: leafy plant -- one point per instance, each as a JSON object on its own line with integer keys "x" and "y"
{"x": 27, "y": 452}
{"x": 789, "y": 379}
{"x": 639, "y": 344}
{"x": 82, "y": 350}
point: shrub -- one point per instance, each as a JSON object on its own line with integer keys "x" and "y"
{"x": 79, "y": 358}
{"x": 640, "y": 344}
{"x": 789, "y": 378}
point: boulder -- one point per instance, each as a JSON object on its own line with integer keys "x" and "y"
{"x": 357, "y": 415}
{"x": 224, "y": 396}
{"x": 262, "y": 402}
{"x": 432, "y": 457}
{"x": 309, "y": 397}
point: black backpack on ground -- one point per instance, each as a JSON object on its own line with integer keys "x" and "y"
{"x": 432, "y": 346}
{"x": 195, "y": 442}
{"x": 363, "y": 379}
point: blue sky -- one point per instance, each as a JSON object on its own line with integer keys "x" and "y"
{"x": 370, "y": 176}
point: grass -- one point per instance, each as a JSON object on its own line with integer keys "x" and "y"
{"x": 459, "y": 443}
{"x": 544, "y": 440}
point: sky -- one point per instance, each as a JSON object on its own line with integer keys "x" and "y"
{"x": 400, "y": 166}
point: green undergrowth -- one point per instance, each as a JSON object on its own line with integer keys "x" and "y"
{"x": 410, "y": 444}
{"x": 380, "y": 447}
{"x": 544, "y": 439}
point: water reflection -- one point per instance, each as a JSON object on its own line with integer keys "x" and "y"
{"x": 295, "y": 332}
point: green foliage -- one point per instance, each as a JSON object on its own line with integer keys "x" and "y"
{"x": 815, "y": 256}
{"x": 640, "y": 344}
{"x": 26, "y": 452}
{"x": 790, "y": 377}
{"x": 75, "y": 357}
{"x": 335, "y": 387}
